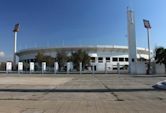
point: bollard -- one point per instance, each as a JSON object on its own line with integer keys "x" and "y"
{"x": 20, "y": 67}
{"x": 56, "y": 67}
{"x": 43, "y": 67}
{"x": 80, "y": 67}
{"x": 93, "y": 69}
{"x": 8, "y": 67}
{"x": 68, "y": 67}
{"x": 118, "y": 68}
{"x": 32, "y": 67}
{"x": 106, "y": 68}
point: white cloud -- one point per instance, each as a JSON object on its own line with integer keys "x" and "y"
{"x": 2, "y": 54}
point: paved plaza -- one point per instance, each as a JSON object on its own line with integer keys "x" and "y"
{"x": 68, "y": 93}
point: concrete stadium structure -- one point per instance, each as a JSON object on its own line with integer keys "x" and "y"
{"x": 101, "y": 55}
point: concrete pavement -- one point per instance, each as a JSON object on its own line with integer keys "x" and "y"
{"x": 80, "y": 94}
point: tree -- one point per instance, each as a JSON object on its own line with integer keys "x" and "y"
{"x": 25, "y": 66}
{"x": 49, "y": 61}
{"x": 2, "y": 66}
{"x": 40, "y": 58}
{"x": 80, "y": 56}
{"x": 61, "y": 58}
{"x": 160, "y": 55}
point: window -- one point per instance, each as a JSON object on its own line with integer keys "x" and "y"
{"x": 100, "y": 59}
{"x": 114, "y": 59}
{"x": 121, "y": 59}
{"x": 92, "y": 59}
{"x": 107, "y": 59}
{"x": 31, "y": 60}
{"x": 126, "y": 59}
{"x": 114, "y": 68}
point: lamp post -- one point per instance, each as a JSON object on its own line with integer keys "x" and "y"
{"x": 148, "y": 27}
{"x": 15, "y": 30}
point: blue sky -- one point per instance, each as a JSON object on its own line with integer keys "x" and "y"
{"x": 50, "y": 23}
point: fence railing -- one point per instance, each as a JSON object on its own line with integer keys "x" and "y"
{"x": 67, "y": 69}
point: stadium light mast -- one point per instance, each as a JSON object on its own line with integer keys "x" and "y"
{"x": 15, "y": 30}
{"x": 148, "y": 27}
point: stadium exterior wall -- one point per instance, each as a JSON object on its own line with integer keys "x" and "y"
{"x": 100, "y": 54}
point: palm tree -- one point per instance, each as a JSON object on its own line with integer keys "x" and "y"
{"x": 160, "y": 55}
{"x": 61, "y": 58}
{"x": 80, "y": 56}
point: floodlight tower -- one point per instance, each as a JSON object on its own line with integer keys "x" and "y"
{"x": 15, "y": 30}
{"x": 131, "y": 42}
{"x": 148, "y": 27}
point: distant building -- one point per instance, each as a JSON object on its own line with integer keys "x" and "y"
{"x": 101, "y": 55}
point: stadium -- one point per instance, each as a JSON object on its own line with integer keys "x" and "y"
{"x": 101, "y": 55}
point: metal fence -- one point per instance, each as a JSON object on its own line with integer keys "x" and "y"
{"x": 34, "y": 68}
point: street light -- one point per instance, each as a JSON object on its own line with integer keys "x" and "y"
{"x": 148, "y": 27}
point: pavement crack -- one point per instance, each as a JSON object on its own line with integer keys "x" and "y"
{"x": 117, "y": 98}
{"x": 18, "y": 99}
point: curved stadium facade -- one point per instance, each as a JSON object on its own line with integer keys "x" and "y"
{"x": 100, "y": 54}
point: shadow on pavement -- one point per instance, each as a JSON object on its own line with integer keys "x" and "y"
{"x": 79, "y": 90}
{"x": 149, "y": 76}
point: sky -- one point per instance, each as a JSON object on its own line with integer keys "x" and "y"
{"x": 52, "y": 23}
